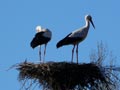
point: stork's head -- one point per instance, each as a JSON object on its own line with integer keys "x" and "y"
{"x": 38, "y": 28}
{"x": 89, "y": 18}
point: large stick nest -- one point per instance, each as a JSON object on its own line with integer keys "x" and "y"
{"x": 66, "y": 76}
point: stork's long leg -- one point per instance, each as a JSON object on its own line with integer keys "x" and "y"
{"x": 40, "y": 52}
{"x": 44, "y": 52}
{"x": 77, "y": 53}
{"x": 72, "y": 53}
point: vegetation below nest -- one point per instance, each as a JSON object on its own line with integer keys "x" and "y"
{"x": 66, "y": 76}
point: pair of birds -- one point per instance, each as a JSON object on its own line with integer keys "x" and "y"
{"x": 43, "y": 36}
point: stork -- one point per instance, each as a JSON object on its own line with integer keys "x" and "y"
{"x": 76, "y": 36}
{"x": 43, "y": 36}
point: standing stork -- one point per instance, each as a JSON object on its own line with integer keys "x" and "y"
{"x": 43, "y": 36}
{"x": 76, "y": 36}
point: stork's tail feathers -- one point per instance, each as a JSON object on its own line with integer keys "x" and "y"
{"x": 64, "y": 41}
{"x": 59, "y": 44}
{"x": 34, "y": 43}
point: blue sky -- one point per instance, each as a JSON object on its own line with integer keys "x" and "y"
{"x": 19, "y": 18}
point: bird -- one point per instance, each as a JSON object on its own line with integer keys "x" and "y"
{"x": 42, "y": 37}
{"x": 77, "y": 36}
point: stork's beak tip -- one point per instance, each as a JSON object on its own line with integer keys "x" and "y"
{"x": 92, "y": 24}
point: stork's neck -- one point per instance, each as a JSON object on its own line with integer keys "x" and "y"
{"x": 87, "y": 25}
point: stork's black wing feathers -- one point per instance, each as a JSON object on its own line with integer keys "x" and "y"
{"x": 63, "y": 41}
{"x": 39, "y": 39}
{"x": 68, "y": 40}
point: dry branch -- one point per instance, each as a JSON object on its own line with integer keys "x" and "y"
{"x": 66, "y": 76}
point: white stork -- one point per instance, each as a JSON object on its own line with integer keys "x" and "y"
{"x": 43, "y": 36}
{"x": 76, "y": 36}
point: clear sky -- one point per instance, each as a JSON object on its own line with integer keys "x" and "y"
{"x": 19, "y": 18}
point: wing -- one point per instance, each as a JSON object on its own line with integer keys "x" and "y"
{"x": 39, "y": 39}
{"x": 64, "y": 41}
{"x": 69, "y": 40}
{"x": 79, "y": 33}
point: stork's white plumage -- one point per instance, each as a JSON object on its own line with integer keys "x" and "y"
{"x": 43, "y": 36}
{"x": 76, "y": 36}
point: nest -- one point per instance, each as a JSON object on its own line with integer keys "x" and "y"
{"x": 66, "y": 76}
